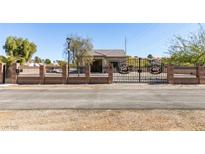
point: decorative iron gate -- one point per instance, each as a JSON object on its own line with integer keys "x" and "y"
{"x": 140, "y": 70}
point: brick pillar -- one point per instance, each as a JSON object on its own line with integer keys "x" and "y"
{"x": 1, "y": 73}
{"x": 14, "y": 76}
{"x": 200, "y": 72}
{"x": 42, "y": 73}
{"x": 87, "y": 73}
{"x": 110, "y": 73}
{"x": 68, "y": 71}
{"x": 170, "y": 74}
{"x": 65, "y": 73}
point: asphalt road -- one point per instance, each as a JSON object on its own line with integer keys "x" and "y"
{"x": 115, "y": 96}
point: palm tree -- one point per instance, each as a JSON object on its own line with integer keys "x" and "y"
{"x": 9, "y": 60}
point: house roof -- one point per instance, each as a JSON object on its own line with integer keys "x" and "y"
{"x": 109, "y": 52}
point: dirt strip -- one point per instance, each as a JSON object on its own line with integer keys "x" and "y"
{"x": 102, "y": 120}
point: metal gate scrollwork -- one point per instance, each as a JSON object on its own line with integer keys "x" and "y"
{"x": 137, "y": 70}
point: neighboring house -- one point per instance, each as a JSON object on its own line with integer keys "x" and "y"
{"x": 103, "y": 57}
{"x": 31, "y": 64}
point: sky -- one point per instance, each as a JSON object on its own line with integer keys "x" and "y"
{"x": 142, "y": 39}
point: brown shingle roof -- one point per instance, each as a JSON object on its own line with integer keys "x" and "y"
{"x": 109, "y": 52}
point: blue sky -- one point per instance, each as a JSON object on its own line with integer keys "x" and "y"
{"x": 142, "y": 39}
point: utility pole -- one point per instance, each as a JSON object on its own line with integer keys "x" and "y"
{"x": 125, "y": 45}
{"x": 68, "y": 49}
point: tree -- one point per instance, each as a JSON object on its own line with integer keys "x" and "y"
{"x": 9, "y": 60}
{"x": 190, "y": 50}
{"x": 19, "y": 48}
{"x": 81, "y": 51}
{"x": 47, "y": 61}
{"x": 61, "y": 62}
{"x": 150, "y": 56}
{"x": 166, "y": 60}
{"x": 37, "y": 60}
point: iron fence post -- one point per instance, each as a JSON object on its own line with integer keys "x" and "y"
{"x": 139, "y": 70}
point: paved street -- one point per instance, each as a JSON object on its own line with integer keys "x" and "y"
{"x": 115, "y": 96}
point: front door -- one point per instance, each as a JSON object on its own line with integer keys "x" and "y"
{"x": 96, "y": 67}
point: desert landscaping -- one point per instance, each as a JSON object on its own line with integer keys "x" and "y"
{"x": 102, "y": 120}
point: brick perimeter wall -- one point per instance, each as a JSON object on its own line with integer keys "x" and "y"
{"x": 53, "y": 80}
{"x": 60, "y": 80}
{"x": 65, "y": 79}
{"x": 110, "y": 74}
{"x": 99, "y": 80}
{"x": 170, "y": 74}
{"x": 77, "y": 80}
{"x": 202, "y": 80}
{"x": 185, "y": 81}
{"x": 185, "y": 71}
{"x": 29, "y": 80}
{"x": 13, "y": 68}
{"x": 199, "y": 72}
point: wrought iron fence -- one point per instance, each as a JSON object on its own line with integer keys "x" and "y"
{"x": 53, "y": 71}
{"x": 77, "y": 72}
{"x": 28, "y": 71}
{"x": 140, "y": 70}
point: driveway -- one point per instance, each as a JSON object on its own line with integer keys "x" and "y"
{"x": 114, "y": 96}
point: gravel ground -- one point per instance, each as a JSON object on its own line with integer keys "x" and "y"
{"x": 119, "y": 120}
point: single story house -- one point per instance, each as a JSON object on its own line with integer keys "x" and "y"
{"x": 103, "y": 57}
